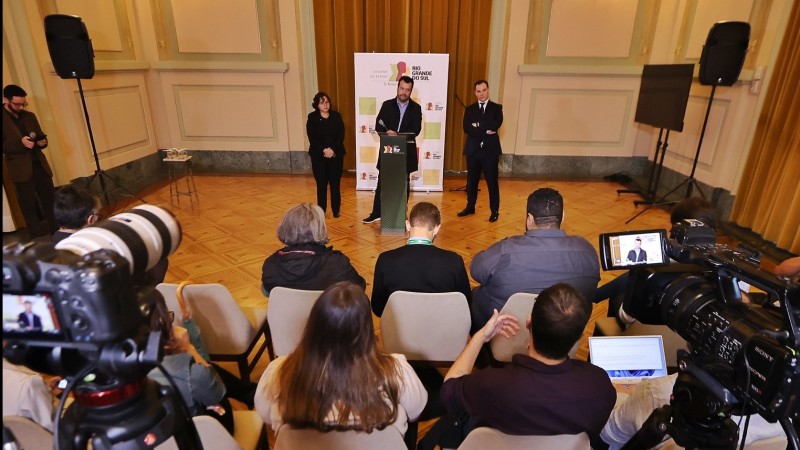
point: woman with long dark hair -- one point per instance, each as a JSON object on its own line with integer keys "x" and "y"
{"x": 325, "y": 130}
{"x": 336, "y": 378}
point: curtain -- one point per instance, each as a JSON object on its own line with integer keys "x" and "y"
{"x": 457, "y": 27}
{"x": 768, "y": 199}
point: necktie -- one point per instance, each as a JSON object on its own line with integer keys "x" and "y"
{"x": 483, "y": 107}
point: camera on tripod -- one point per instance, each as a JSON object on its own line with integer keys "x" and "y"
{"x": 744, "y": 355}
{"x": 81, "y": 309}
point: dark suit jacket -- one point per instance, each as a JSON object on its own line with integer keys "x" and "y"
{"x": 642, "y": 256}
{"x": 18, "y": 159}
{"x": 412, "y": 123}
{"x": 492, "y": 119}
{"x": 417, "y": 268}
{"x": 23, "y": 321}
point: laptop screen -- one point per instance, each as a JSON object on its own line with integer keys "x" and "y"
{"x": 628, "y": 358}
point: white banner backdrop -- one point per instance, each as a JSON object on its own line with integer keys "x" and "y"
{"x": 376, "y": 76}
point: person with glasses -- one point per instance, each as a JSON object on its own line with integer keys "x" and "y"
{"x": 23, "y": 142}
{"x": 325, "y": 130}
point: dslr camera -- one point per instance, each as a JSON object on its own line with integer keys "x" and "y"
{"x": 748, "y": 352}
{"x": 81, "y": 309}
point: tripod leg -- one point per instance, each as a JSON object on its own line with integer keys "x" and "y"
{"x": 660, "y": 201}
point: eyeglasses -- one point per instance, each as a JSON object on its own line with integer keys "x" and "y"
{"x": 172, "y": 317}
{"x": 20, "y": 105}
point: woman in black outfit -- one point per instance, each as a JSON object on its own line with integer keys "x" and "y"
{"x": 326, "y": 137}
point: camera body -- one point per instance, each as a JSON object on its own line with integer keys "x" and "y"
{"x": 750, "y": 350}
{"x": 86, "y": 302}
{"x": 84, "y": 299}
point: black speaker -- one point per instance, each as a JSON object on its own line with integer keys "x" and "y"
{"x": 69, "y": 45}
{"x": 724, "y": 52}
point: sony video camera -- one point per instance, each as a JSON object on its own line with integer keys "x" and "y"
{"x": 86, "y": 301}
{"x": 751, "y": 350}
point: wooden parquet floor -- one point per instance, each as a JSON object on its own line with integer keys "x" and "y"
{"x": 232, "y": 229}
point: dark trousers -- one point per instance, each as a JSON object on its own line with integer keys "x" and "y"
{"x": 35, "y": 199}
{"x": 376, "y": 202}
{"x": 328, "y": 171}
{"x": 488, "y": 165}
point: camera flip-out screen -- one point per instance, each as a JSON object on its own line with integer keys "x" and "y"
{"x": 30, "y": 316}
{"x": 626, "y": 249}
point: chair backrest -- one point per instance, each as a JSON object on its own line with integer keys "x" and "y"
{"x": 483, "y": 438}
{"x": 287, "y": 314}
{"x": 27, "y": 433}
{"x": 212, "y": 435}
{"x": 426, "y": 327}
{"x": 169, "y": 292}
{"x": 308, "y": 439}
{"x": 225, "y": 328}
{"x": 518, "y": 305}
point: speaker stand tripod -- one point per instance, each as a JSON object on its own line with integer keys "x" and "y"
{"x": 655, "y": 173}
{"x": 690, "y": 182}
{"x": 100, "y": 174}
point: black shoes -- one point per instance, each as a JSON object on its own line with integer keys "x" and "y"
{"x": 372, "y": 218}
{"x": 336, "y": 215}
{"x": 494, "y": 217}
{"x": 466, "y": 212}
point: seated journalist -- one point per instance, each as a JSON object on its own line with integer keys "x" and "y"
{"x": 543, "y": 392}
{"x": 305, "y": 262}
{"x": 530, "y": 262}
{"x": 337, "y": 378}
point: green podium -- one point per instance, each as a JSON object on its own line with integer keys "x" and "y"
{"x": 394, "y": 181}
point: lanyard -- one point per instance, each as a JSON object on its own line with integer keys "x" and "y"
{"x": 422, "y": 241}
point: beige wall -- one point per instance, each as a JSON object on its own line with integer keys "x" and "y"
{"x": 234, "y": 75}
{"x": 201, "y": 74}
{"x": 570, "y": 87}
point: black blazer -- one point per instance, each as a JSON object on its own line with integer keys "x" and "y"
{"x": 18, "y": 159}
{"x": 323, "y": 133}
{"x": 492, "y": 119}
{"x": 412, "y": 123}
{"x": 642, "y": 256}
{"x": 417, "y": 268}
{"x": 23, "y": 321}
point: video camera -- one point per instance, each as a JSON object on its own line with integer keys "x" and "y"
{"x": 750, "y": 351}
{"x": 82, "y": 309}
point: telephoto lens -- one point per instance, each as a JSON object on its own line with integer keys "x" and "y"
{"x": 144, "y": 235}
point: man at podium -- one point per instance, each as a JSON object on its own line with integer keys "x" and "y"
{"x": 398, "y": 115}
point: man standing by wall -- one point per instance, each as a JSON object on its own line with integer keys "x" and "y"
{"x": 398, "y": 115}
{"x": 482, "y": 119}
{"x": 23, "y": 142}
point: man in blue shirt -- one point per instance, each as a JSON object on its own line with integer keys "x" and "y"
{"x": 533, "y": 261}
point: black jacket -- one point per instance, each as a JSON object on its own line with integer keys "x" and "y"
{"x": 412, "y": 123}
{"x": 310, "y": 267}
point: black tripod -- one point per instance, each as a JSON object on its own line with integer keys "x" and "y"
{"x": 100, "y": 174}
{"x": 150, "y": 414}
{"x": 655, "y": 173}
{"x": 690, "y": 182}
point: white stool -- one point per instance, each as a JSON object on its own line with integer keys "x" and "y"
{"x": 181, "y": 168}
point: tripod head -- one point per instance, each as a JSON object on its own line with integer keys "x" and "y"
{"x": 698, "y": 416}
{"x": 139, "y": 415}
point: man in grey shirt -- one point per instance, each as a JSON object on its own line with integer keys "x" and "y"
{"x": 533, "y": 261}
